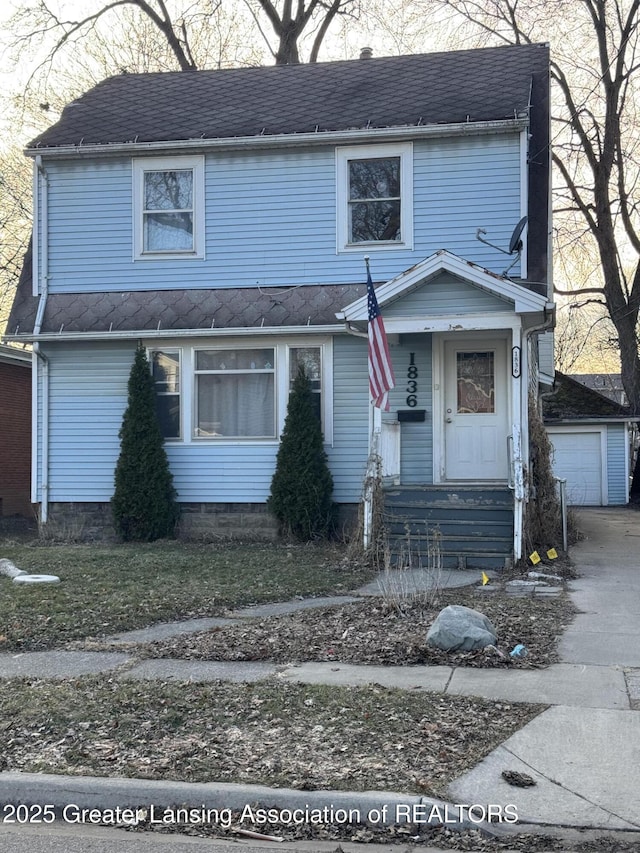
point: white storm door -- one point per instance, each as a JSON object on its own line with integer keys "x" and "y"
{"x": 475, "y": 410}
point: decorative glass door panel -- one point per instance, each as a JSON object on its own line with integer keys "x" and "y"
{"x": 476, "y": 383}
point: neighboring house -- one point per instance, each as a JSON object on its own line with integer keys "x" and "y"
{"x": 593, "y": 441}
{"x": 223, "y": 218}
{"x": 15, "y": 433}
{"x": 607, "y": 384}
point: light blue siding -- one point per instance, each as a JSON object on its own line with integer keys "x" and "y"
{"x": 545, "y": 353}
{"x": 446, "y": 294}
{"x": 416, "y": 439}
{"x": 617, "y": 474}
{"x": 87, "y": 398}
{"x": 222, "y": 474}
{"x": 271, "y": 218}
{"x": 348, "y": 456}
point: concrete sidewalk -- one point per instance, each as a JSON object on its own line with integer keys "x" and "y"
{"x": 583, "y": 752}
{"x": 585, "y": 759}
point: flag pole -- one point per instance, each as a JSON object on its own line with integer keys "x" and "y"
{"x": 369, "y": 485}
{"x": 375, "y": 424}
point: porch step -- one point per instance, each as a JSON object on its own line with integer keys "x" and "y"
{"x": 475, "y": 524}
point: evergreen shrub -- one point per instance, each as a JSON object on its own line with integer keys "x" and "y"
{"x": 302, "y": 485}
{"x": 144, "y": 501}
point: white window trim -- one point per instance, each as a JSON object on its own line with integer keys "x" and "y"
{"x": 404, "y": 150}
{"x": 160, "y": 164}
{"x": 277, "y": 370}
{"x": 281, "y": 346}
{"x": 178, "y": 439}
{"x": 326, "y": 383}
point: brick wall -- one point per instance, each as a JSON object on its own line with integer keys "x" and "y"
{"x": 200, "y": 522}
{"x": 15, "y": 439}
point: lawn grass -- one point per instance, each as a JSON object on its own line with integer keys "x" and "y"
{"x": 283, "y": 735}
{"x": 105, "y": 589}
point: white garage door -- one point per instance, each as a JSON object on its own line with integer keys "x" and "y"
{"x": 577, "y": 458}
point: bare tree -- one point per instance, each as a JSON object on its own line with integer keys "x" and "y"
{"x": 289, "y": 20}
{"x": 180, "y": 24}
{"x": 594, "y": 72}
{"x": 15, "y": 223}
{"x": 69, "y": 55}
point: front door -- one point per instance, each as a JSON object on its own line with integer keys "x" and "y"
{"x": 475, "y": 409}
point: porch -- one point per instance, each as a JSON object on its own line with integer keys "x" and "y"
{"x": 472, "y": 524}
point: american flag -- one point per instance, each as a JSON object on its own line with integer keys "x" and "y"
{"x": 381, "y": 378}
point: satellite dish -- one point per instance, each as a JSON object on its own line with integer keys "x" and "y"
{"x": 515, "y": 243}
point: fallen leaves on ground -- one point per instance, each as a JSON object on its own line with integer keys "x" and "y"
{"x": 284, "y": 735}
{"x": 370, "y": 632}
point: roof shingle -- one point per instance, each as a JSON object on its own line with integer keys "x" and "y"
{"x": 398, "y": 91}
{"x": 173, "y": 310}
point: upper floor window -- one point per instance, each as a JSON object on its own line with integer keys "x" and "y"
{"x": 374, "y": 193}
{"x": 168, "y": 207}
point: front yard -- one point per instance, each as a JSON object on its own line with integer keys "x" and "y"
{"x": 269, "y": 732}
{"x": 107, "y": 589}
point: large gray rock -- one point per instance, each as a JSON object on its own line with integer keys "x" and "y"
{"x": 458, "y": 628}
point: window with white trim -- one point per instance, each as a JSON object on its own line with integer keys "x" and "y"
{"x": 235, "y": 393}
{"x": 310, "y": 360}
{"x": 168, "y": 209}
{"x": 165, "y": 369}
{"x": 375, "y": 196}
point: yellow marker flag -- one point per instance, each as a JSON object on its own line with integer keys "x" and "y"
{"x": 535, "y": 558}
{"x": 552, "y": 554}
{"x": 485, "y": 579}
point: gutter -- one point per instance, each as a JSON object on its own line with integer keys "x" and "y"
{"x": 589, "y": 421}
{"x": 288, "y": 140}
{"x": 41, "y": 283}
{"x": 153, "y": 334}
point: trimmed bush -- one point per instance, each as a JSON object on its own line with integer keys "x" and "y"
{"x": 302, "y": 484}
{"x": 144, "y": 501}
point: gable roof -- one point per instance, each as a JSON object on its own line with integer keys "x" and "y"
{"x": 523, "y": 299}
{"x": 468, "y": 86}
{"x": 571, "y": 401}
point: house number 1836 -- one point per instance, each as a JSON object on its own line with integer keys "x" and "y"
{"x": 412, "y": 382}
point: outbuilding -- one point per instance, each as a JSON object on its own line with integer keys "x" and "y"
{"x": 593, "y": 441}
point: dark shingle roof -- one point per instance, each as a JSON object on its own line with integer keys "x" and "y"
{"x": 438, "y": 88}
{"x": 166, "y": 310}
{"x": 570, "y": 400}
{"x": 25, "y": 305}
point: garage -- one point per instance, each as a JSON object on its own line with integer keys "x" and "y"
{"x": 591, "y": 437}
{"x": 578, "y": 458}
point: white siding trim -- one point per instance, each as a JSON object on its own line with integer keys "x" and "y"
{"x": 460, "y": 322}
{"x": 35, "y": 378}
{"x": 35, "y": 238}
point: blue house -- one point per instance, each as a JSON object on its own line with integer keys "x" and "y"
{"x": 223, "y": 218}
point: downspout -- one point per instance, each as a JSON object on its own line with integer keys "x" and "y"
{"x": 41, "y": 281}
{"x": 521, "y": 446}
